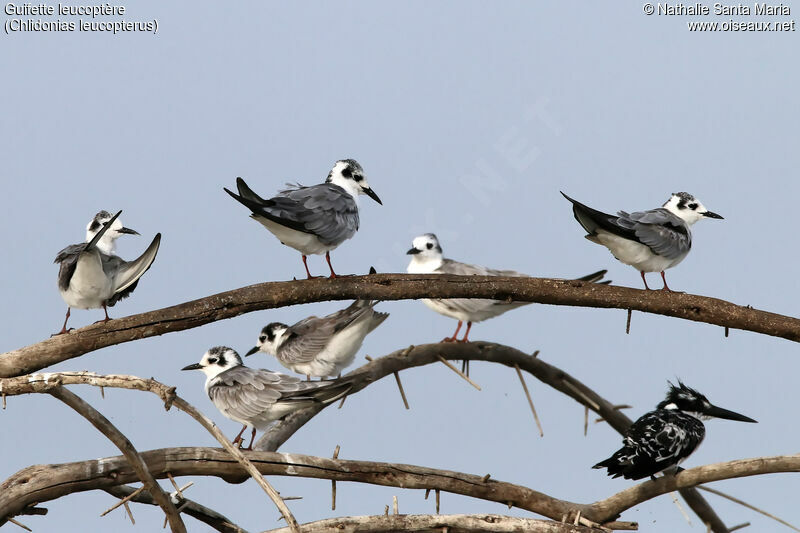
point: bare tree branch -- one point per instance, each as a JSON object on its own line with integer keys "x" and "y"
{"x": 200, "y": 512}
{"x": 391, "y": 287}
{"x": 461, "y": 523}
{"x": 126, "y": 447}
{"x": 41, "y": 483}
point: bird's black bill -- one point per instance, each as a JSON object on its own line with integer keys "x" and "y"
{"x": 252, "y": 350}
{"x": 129, "y": 231}
{"x": 369, "y": 192}
{"x": 719, "y": 412}
{"x": 196, "y": 366}
{"x": 710, "y": 214}
{"x": 413, "y": 251}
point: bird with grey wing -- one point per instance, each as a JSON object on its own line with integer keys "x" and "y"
{"x": 321, "y": 347}
{"x": 662, "y": 439}
{"x": 315, "y": 219}
{"x": 92, "y": 276}
{"x": 427, "y": 258}
{"x": 257, "y": 397}
{"x": 649, "y": 241}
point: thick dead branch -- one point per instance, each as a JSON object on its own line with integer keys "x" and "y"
{"x": 462, "y": 523}
{"x": 41, "y": 483}
{"x": 189, "y": 507}
{"x": 391, "y": 287}
{"x": 126, "y": 447}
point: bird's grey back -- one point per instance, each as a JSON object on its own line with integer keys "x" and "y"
{"x": 450, "y": 266}
{"x": 662, "y": 231}
{"x": 326, "y": 210}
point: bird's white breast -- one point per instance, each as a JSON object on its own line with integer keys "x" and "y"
{"x": 305, "y": 243}
{"x": 89, "y": 286}
{"x": 636, "y": 254}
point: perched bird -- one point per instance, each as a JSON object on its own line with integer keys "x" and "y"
{"x": 426, "y": 258}
{"x": 321, "y": 347}
{"x": 665, "y": 437}
{"x": 91, "y": 276}
{"x": 258, "y": 397}
{"x": 649, "y": 241}
{"x": 315, "y": 219}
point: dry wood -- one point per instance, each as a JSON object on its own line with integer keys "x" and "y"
{"x": 45, "y": 482}
{"x": 195, "y": 510}
{"x": 480, "y": 523}
{"x": 392, "y": 287}
{"x": 126, "y": 447}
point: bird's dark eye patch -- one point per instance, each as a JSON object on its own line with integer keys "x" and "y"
{"x": 358, "y": 177}
{"x": 212, "y": 360}
{"x": 262, "y": 338}
{"x": 429, "y": 245}
{"x": 692, "y": 206}
{"x": 347, "y": 173}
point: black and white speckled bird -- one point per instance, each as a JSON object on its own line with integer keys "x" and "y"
{"x": 649, "y": 241}
{"x": 663, "y": 438}
{"x": 315, "y": 219}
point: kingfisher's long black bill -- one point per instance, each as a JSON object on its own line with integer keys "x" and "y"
{"x": 719, "y": 412}
{"x": 413, "y": 251}
{"x": 196, "y": 366}
{"x": 252, "y": 350}
{"x": 369, "y": 192}
{"x": 129, "y": 231}
{"x": 710, "y": 214}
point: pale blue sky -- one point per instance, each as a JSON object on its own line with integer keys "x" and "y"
{"x": 468, "y": 118}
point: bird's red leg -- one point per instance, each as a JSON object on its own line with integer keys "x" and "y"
{"x": 238, "y": 439}
{"x": 328, "y": 259}
{"x": 308, "y": 272}
{"x": 466, "y": 334}
{"x": 252, "y": 438}
{"x": 645, "y": 281}
{"x": 453, "y": 338}
{"x": 64, "y": 327}
{"x": 665, "y": 288}
{"x": 107, "y": 318}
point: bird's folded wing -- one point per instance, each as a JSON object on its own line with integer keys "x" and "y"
{"x": 664, "y": 233}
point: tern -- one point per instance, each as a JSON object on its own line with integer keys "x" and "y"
{"x": 321, "y": 347}
{"x": 258, "y": 397}
{"x": 649, "y": 241}
{"x": 427, "y": 258}
{"x": 315, "y": 219}
{"x": 665, "y": 437}
{"x": 91, "y": 276}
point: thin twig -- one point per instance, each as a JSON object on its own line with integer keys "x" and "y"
{"x": 457, "y": 371}
{"x": 123, "y": 500}
{"x": 20, "y": 524}
{"x": 677, "y": 503}
{"x": 130, "y": 514}
{"x": 400, "y": 386}
{"x": 628, "y": 322}
{"x": 749, "y": 506}
{"x": 739, "y": 526}
{"x": 333, "y": 482}
{"x": 585, "y": 420}
{"x": 530, "y": 401}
